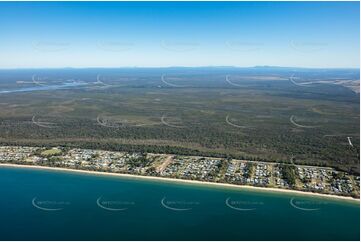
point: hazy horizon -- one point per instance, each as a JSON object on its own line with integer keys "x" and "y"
{"x": 168, "y": 67}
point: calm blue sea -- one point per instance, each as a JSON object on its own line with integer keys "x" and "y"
{"x": 47, "y": 205}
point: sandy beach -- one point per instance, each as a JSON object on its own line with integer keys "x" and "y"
{"x": 174, "y": 180}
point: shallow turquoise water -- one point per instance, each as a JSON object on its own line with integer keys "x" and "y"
{"x": 47, "y": 205}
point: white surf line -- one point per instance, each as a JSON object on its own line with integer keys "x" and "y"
{"x": 232, "y": 83}
{"x": 170, "y": 84}
{"x": 44, "y": 124}
{"x": 168, "y": 124}
{"x": 349, "y": 141}
{"x": 235, "y": 125}
{"x": 302, "y": 126}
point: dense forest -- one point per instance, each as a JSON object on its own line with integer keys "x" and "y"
{"x": 260, "y": 118}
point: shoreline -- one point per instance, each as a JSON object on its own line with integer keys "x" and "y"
{"x": 177, "y": 180}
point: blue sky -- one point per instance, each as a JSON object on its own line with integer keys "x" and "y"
{"x": 118, "y": 34}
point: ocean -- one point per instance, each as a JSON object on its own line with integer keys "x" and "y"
{"x": 55, "y": 205}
